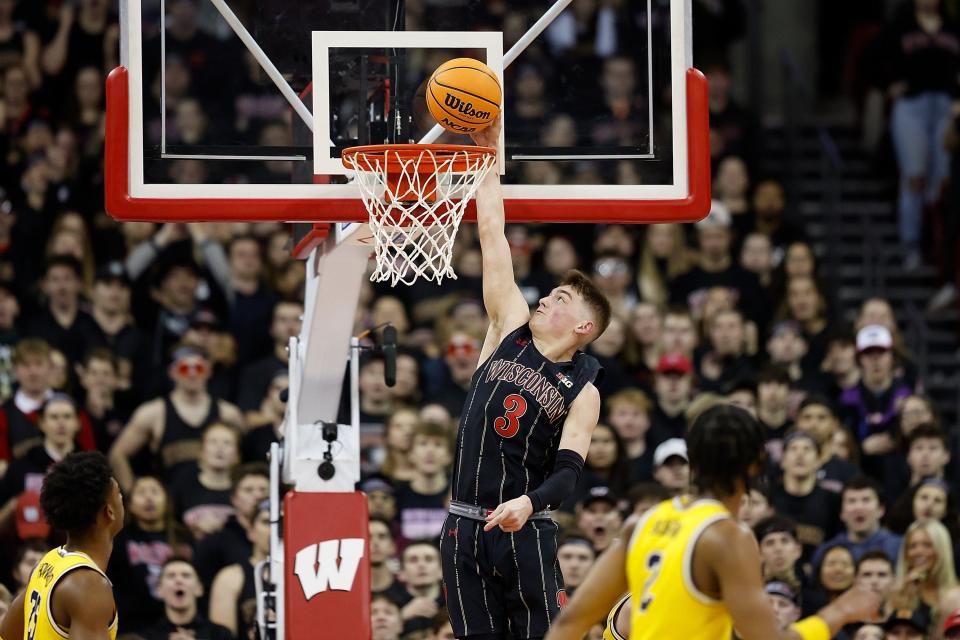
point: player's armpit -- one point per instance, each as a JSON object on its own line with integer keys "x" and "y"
{"x": 85, "y": 598}
{"x": 581, "y": 421}
{"x": 502, "y": 298}
{"x": 604, "y": 585}
{"x": 728, "y": 554}
{"x": 12, "y": 624}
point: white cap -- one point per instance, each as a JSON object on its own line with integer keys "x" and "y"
{"x": 874, "y": 336}
{"x": 718, "y": 218}
{"x": 668, "y": 448}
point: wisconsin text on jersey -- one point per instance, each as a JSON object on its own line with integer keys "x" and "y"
{"x": 538, "y": 385}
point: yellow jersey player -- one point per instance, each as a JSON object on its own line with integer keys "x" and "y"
{"x": 69, "y": 595}
{"x": 692, "y": 570}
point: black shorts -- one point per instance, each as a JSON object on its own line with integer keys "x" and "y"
{"x": 500, "y": 584}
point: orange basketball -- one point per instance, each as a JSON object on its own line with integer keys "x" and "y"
{"x": 464, "y": 95}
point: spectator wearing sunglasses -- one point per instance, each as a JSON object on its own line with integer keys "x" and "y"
{"x": 172, "y": 425}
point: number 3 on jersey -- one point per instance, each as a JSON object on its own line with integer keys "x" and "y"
{"x": 654, "y": 563}
{"x": 508, "y": 424}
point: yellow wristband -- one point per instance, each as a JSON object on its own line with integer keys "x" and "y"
{"x": 812, "y": 628}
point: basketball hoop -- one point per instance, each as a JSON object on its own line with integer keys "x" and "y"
{"x": 416, "y": 195}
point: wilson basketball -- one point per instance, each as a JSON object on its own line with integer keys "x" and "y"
{"x": 464, "y": 95}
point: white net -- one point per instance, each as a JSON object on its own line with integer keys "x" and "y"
{"x": 416, "y": 196}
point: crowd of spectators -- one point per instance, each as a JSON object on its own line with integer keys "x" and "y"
{"x": 164, "y": 346}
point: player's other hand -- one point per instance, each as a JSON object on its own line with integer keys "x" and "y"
{"x": 859, "y": 605}
{"x": 511, "y": 515}
{"x": 489, "y": 137}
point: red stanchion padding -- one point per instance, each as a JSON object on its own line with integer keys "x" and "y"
{"x": 327, "y": 566}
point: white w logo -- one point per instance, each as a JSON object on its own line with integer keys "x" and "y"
{"x": 318, "y": 568}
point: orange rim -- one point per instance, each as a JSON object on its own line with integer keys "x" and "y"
{"x": 457, "y": 158}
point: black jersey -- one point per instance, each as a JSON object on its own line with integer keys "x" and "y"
{"x": 511, "y": 423}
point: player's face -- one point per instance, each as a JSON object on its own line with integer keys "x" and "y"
{"x": 179, "y": 585}
{"x": 929, "y": 503}
{"x": 115, "y": 507}
{"x": 561, "y": 313}
{"x": 421, "y": 565}
{"x": 876, "y": 576}
{"x": 575, "y": 561}
{"x": 382, "y": 546}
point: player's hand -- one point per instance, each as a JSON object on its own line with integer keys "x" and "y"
{"x": 511, "y": 515}
{"x": 859, "y": 605}
{"x": 489, "y": 137}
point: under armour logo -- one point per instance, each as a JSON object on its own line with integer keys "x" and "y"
{"x": 522, "y": 342}
{"x": 452, "y": 533}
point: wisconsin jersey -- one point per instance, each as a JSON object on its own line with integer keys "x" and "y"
{"x": 37, "y": 613}
{"x": 666, "y": 603}
{"x": 512, "y": 420}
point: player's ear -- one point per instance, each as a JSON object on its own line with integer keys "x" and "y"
{"x": 585, "y": 327}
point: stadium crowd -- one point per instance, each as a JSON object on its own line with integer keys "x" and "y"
{"x": 164, "y": 346}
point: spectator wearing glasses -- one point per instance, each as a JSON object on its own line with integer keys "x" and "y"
{"x": 172, "y": 426}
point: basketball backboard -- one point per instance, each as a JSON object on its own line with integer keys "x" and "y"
{"x": 233, "y": 109}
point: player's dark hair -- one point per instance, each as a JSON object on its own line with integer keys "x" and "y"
{"x": 592, "y": 296}
{"x": 874, "y": 554}
{"x": 860, "y": 482}
{"x": 75, "y": 490}
{"x": 723, "y": 443}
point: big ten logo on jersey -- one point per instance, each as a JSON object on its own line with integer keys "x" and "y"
{"x": 666, "y": 528}
{"x": 564, "y": 380}
{"x": 331, "y": 564}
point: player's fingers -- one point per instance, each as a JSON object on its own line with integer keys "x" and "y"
{"x": 496, "y": 512}
{"x": 493, "y": 522}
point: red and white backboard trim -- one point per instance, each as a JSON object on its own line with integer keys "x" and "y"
{"x": 124, "y": 206}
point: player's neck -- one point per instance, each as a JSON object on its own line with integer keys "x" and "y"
{"x": 558, "y": 351}
{"x": 731, "y": 502}
{"x": 98, "y": 544}
{"x": 428, "y": 484}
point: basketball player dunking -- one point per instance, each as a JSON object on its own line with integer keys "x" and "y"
{"x": 524, "y": 432}
{"x": 69, "y": 595}
{"x": 692, "y": 570}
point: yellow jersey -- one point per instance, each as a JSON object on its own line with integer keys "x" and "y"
{"x": 37, "y": 613}
{"x": 666, "y": 603}
{"x": 610, "y": 631}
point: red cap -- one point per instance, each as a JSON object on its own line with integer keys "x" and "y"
{"x": 30, "y": 520}
{"x": 952, "y": 622}
{"x": 674, "y": 363}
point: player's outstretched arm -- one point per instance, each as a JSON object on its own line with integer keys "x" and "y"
{"x": 85, "y": 598}
{"x": 604, "y": 585}
{"x": 730, "y": 554}
{"x": 11, "y": 627}
{"x": 505, "y": 305}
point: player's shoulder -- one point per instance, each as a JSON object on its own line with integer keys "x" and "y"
{"x": 84, "y": 585}
{"x": 725, "y": 535}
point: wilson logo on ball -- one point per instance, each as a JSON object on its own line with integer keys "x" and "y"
{"x": 466, "y": 108}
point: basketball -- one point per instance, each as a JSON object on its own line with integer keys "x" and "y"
{"x": 464, "y": 95}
